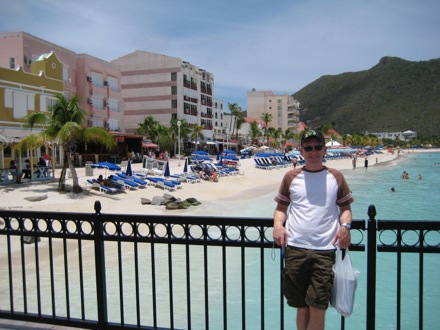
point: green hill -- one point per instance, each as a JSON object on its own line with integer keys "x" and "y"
{"x": 395, "y": 95}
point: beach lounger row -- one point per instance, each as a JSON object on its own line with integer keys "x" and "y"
{"x": 133, "y": 180}
{"x": 165, "y": 184}
{"x": 261, "y": 163}
{"x": 186, "y": 178}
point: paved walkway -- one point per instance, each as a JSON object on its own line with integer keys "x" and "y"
{"x": 23, "y": 325}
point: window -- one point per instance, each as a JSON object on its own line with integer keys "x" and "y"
{"x": 113, "y": 125}
{"x": 174, "y": 104}
{"x": 97, "y": 79}
{"x": 66, "y": 75}
{"x": 173, "y": 90}
{"x": 173, "y": 76}
{"x": 12, "y": 63}
{"x": 98, "y": 102}
{"x": 113, "y": 83}
{"x": 113, "y": 105}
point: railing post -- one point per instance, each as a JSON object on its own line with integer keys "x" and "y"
{"x": 101, "y": 292}
{"x": 371, "y": 268}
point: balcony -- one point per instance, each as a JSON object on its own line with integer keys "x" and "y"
{"x": 107, "y": 271}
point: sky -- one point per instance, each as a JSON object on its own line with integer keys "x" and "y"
{"x": 278, "y": 45}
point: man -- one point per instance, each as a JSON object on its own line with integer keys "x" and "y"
{"x": 312, "y": 215}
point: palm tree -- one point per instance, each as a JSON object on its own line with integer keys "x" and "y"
{"x": 239, "y": 120}
{"x": 235, "y": 112}
{"x": 196, "y": 132}
{"x": 150, "y": 128}
{"x": 267, "y": 118}
{"x": 286, "y": 136}
{"x": 63, "y": 125}
{"x": 254, "y": 131}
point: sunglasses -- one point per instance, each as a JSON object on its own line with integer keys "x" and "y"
{"x": 318, "y": 147}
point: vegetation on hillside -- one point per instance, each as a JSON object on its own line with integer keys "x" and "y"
{"x": 395, "y": 95}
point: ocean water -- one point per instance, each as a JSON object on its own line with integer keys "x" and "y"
{"x": 413, "y": 199}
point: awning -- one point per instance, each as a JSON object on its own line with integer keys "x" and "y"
{"x": 149, "y": 145}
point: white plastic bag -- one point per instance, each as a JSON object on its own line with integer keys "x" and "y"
{"x": 344, "y": 284}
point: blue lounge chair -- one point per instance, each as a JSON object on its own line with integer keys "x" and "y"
{"x": 134, "y": 178}
{"x": 161, "y": 183}
{"x": 127, "y": 184}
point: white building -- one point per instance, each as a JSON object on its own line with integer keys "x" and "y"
{"x": 283, "y": 108}
{"x": 403, "y": 136}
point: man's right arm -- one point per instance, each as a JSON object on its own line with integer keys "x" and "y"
{"x": 279, "y": 231}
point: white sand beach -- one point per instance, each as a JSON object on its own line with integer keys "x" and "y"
{"x": 250, "y": 183}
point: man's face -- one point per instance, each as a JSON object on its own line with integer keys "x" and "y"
{"x": 310, "y": 153}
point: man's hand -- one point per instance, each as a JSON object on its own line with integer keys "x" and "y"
{"x": 280, "y": 235}
{"x": 343, "y": 238}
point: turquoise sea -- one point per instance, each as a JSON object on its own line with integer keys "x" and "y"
{"x": 413, "y": 199}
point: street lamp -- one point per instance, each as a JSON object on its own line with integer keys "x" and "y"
{"x": 227, "y": 137}
{"x": 178, "y": 133}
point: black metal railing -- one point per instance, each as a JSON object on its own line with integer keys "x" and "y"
{"x": 110, "y": 271}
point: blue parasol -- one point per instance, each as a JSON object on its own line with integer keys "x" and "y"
{"x": 167, "y": 170}
{"x": 128, "y": 171}
{"x": 106, "y": 166}
{"x": 230, "y": 157}
{"x": 200, "y": 153}
{"x": 228, "y": 152}
{"x": 201, "y": 158}
{"x": 185, "y": 167}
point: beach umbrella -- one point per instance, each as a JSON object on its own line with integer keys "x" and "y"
{"x": 229, "y": 152}
{"x": 230, "y": 157}
{"x": 167, "y": 170}
{"x": 106, "y": 166}
{"x": 201, "y": 158}
{"x": 128, "y": 171}
{"x": 185, "y": 167}
{"x": 200, "y": 153}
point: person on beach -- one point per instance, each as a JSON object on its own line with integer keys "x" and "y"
{"x": 26, "y": 169}
{"x": 312, "y": 214}
{"x": 214, "y": 176}
{"x": 366, "y": 162}
{"x": 295, "y": 162}
{"x": 13, "y": 166}
{"x": 42, "y": 164}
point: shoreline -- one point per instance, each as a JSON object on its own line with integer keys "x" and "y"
{"x": 251, "y": 184}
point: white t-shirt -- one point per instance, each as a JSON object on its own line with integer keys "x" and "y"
{"x": 313, "y": 213}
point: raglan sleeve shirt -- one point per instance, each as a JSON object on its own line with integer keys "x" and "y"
{"x": 314, "y": 199}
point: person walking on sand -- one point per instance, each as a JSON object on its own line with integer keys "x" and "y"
{"x": 366, "y": 163}
{"x": 312, "y": 214}
{"x": 295, "y": 162}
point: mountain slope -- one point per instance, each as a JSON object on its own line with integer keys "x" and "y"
{"x": 394, "y": 95}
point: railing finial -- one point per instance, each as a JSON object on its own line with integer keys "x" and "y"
{"x": 372, "y": 212}
{"x": 97, "y": 207}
